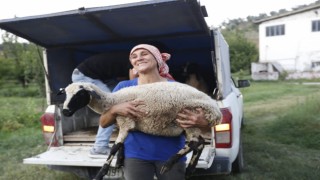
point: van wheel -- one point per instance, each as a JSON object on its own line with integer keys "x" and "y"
{"x": 238, "y": 164}
{"x": 92, "y": 172}
{"x": 242, "y": 123}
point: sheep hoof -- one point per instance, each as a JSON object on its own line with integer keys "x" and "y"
{"x": 103, "y": 171}
{"x": 164, "y": 169}
{"x": 120, "y": 156}
{"x": 189, "y": 172}
{"x": 168, "y": 165}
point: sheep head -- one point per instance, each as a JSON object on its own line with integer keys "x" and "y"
{"x": 78, "y": 95}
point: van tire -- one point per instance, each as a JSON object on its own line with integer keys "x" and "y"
{"x": 242, "y": 122}
{"x": 238, "y": 163}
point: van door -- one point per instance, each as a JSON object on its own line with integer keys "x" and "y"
{"x": 222, "y": 58}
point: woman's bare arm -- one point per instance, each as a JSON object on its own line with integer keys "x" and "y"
{"x": 127, "y": 109}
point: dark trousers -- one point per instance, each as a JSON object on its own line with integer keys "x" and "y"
{"x": 137, "y": 169}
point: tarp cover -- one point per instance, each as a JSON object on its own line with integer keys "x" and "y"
{"x": 174, "y": 26}
{"x": 111, "y": 24}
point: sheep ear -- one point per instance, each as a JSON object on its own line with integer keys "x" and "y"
{"x": 61, "y": 91}
{"x": 94, "y": 94}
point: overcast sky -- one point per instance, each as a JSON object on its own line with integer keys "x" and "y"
{"x": 218, "y": 11}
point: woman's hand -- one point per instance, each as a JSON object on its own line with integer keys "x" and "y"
{"x": 128, "y": 109}
{"x": 133, "y": 73}
{"x": 187, "y": 118}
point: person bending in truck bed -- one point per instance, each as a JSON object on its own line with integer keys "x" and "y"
{"x": 144, "y": 153}
{"x": 104, "y": 70}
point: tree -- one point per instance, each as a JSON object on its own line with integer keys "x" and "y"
{"x": 6, "y": 69}
{"x": 22, "y": 61}
{"x": 242, "y": 51}
{"x": 12, "y": 51}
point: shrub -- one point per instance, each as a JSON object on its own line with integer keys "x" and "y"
{"x": 17, "y": 112}
{"x": 11, "y": 89}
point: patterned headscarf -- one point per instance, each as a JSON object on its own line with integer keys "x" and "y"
{"x": 160, "y": 57}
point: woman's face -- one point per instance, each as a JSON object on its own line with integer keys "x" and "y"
{"x": 143, "y": 61}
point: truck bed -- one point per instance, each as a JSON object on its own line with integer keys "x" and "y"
{"x": 86, "y": 135}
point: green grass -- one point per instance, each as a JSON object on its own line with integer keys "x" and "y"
{"x": 20, "y": 144}
{"x": 303, "y": 121}
{"x": 281, "y": 136}
{"x": 262, "y": 92}
{"x": 13, "y": 89}
{"x": 21, "y": 136}
{"x": 20, "y": 112}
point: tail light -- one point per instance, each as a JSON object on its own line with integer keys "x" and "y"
{"x": 223, "y": 131}
{"x": 48, "y": 129}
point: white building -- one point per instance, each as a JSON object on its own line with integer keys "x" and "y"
{"x": 292, "y": 40}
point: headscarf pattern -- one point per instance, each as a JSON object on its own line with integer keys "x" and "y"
{"x": 161, "y": 59}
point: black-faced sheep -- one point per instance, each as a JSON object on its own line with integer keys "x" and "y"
{"x": 162, "y": 101}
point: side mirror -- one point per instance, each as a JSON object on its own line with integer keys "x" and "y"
{"x": 243, "y": 83}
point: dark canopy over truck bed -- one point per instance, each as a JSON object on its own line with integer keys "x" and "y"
{"x": 113, "y": 26}
{"x": 70, "y": 37}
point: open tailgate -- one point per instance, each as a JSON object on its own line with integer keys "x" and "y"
{"x": 78, "y": 156}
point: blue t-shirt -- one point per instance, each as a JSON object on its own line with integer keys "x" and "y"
{"x": 149, "y": 147}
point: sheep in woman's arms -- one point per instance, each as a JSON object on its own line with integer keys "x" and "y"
{"x": 162, "y": 102}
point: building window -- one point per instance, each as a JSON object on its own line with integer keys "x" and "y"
{"x": 315, "y": 64}
{"x": 316, "y": 26}
{"x": 275, "y": 30}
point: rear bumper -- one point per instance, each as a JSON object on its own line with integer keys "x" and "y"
{"x": 220, "y": 165}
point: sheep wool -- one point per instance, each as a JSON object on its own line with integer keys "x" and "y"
{"x": 162, "y": 101}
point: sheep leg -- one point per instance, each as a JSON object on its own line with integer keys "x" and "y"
{"x": 115, "y": 148}
{"x": 195, "y": 157}
{"x": 105, "y": 168}
{"x": 168, "y": 165}
{"x": 191, "y": 146}
{"x": 120, "y": 157}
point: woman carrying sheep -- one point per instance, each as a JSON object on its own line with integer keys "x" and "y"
{"x": 144, "y": 153}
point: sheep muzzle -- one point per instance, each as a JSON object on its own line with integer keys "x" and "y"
{"x": 77, "y": 101}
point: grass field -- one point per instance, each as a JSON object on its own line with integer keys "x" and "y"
{"x": 281, "y": 136}
{"x": 21, "y": 137}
